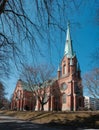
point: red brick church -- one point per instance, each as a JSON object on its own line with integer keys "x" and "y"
{"x": 67, "y": 88}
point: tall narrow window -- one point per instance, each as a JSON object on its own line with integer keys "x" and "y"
{"x": 64, "y": 98}
{"x": 64, "y": 69}
{"x": 80, "y": 102}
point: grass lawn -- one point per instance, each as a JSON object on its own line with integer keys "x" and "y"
{"x": 83, "y": 119}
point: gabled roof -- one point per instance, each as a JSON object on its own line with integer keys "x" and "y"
{"x": 26, "y": 87}
{"x": 48, "y": 82}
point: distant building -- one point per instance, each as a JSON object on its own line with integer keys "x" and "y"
{"x": 91, "y": 103}
{"x": 66, "y": 89}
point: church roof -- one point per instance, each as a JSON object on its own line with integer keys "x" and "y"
{"x": 26, "y": 87}
{"x": 68, "y": 45}
{"x": 48, "y": 83}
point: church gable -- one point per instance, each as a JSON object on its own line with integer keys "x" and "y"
{"x": 18, "y": 88}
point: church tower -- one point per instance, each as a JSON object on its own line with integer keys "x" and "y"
{"x": 69, "y": 78}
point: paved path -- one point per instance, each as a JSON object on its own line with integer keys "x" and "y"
{"x": 11, "y": 123}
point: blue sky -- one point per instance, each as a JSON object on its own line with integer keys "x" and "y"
{"x": 85, "y": 40}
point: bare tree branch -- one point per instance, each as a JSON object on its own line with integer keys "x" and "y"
{"x": 27, "y": 24}
{"x": 38, "y": 81}
{"x": 91, "y": 81}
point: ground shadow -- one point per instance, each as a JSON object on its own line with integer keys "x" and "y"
{"x": 86, "y": 123}
{"x": 41, "y": 115}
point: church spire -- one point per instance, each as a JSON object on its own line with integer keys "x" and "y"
{"x": 68, "y": 45}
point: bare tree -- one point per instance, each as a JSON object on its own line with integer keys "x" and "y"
{"x": 14, "y": 24}
{"x": 38, "y": 79}
{"x": 27, "y": 21}
{"x": 91, "y": 82}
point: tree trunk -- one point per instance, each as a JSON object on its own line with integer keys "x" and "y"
{"x": 42, "y": 107}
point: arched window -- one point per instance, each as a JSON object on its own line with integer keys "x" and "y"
{"x": 64, "y": 69}
{"x": 64, "y": 98}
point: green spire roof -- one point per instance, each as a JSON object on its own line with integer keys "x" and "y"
{"x": 68, "y": 45}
